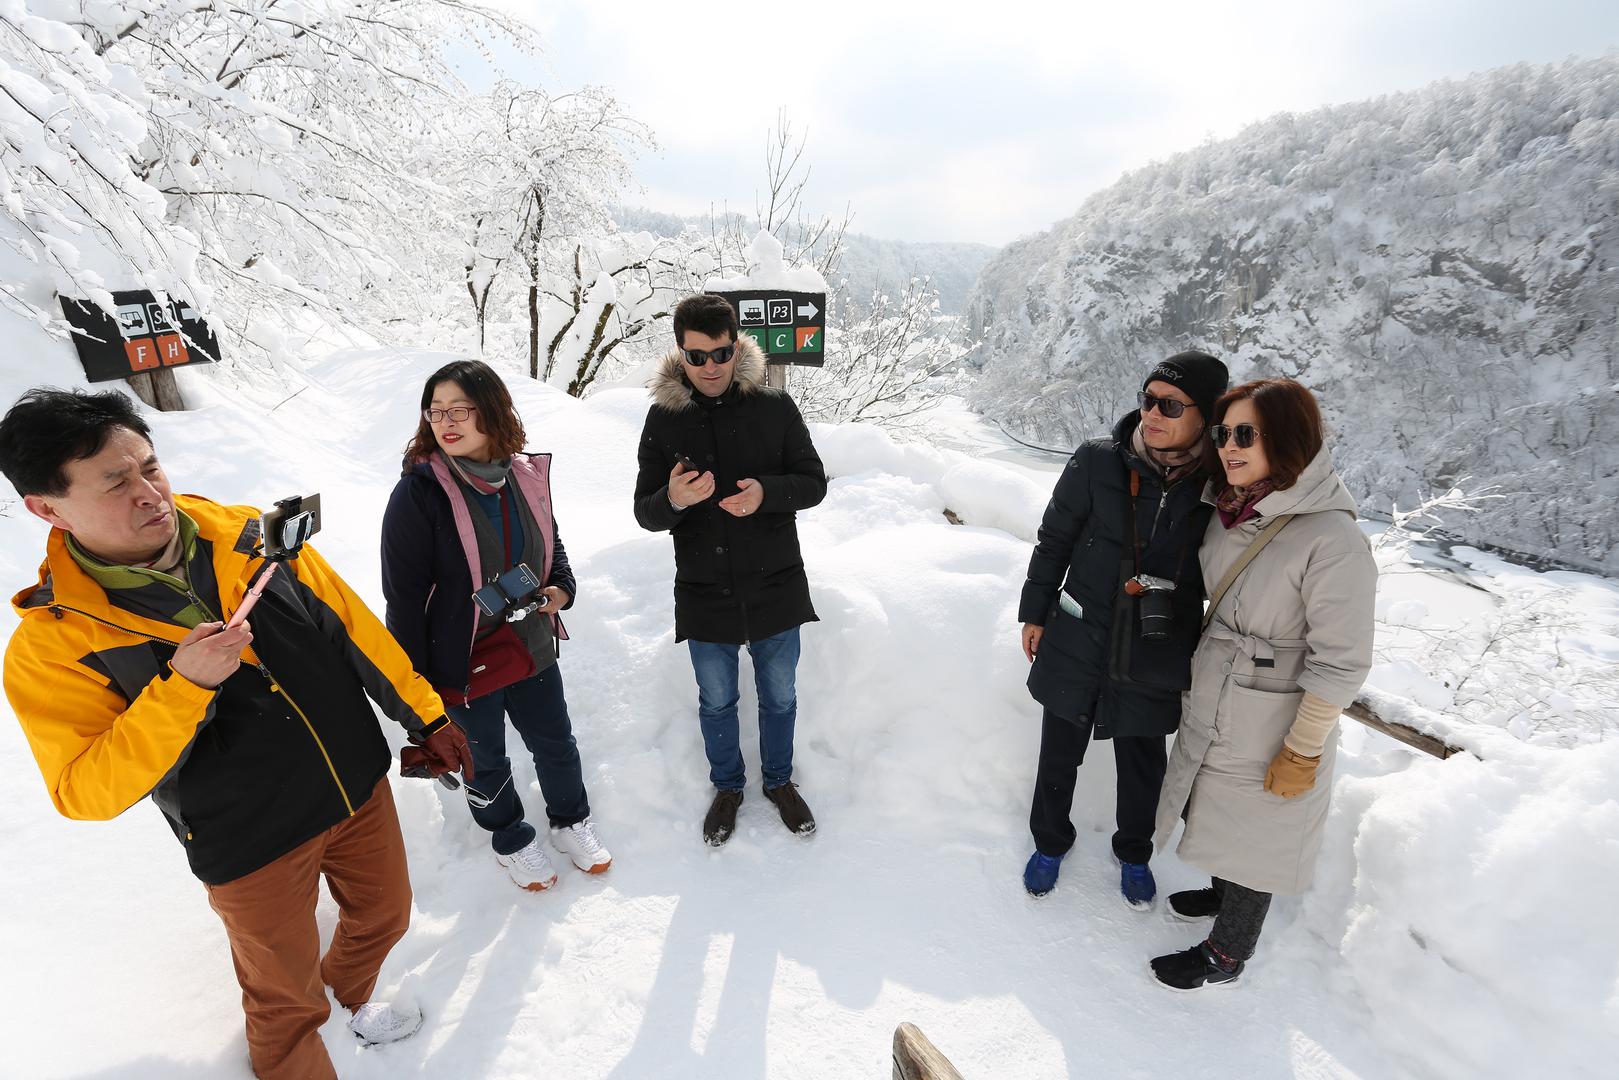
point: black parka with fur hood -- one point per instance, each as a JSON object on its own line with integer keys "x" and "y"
{"x": 737, "y": 579}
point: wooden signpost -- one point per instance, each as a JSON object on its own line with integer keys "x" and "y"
{"x": 143, "y": 341}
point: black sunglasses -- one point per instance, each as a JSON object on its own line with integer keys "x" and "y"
{"x": 721, "y": 355}
{"x": 1167, "y": 407}
{"x": 1245, "y": 434}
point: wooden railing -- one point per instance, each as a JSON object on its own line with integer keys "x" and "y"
{"x": 1428, "y": 744}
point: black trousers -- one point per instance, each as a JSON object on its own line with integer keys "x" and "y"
{"x": 1242, "y": 917}
{"x": 1140, "y": 763}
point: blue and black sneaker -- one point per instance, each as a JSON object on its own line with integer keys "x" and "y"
{"x": 1040, "y": 875}
{"x": 1136, "y": 885}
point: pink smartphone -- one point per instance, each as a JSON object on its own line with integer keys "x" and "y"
{"x": 252, "y": 597}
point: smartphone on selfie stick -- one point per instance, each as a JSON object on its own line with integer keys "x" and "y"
{"x": 283, "y": 531}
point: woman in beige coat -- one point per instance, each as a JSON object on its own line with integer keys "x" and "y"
{"x": 1284, "y": 650}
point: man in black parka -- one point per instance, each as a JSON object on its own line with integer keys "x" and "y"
{"x": 725, "y": 465}
{"x": 1126, "y": 518}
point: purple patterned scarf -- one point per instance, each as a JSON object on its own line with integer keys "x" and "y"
{"x": 1238, "y": 504}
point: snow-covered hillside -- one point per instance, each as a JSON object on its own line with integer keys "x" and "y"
{"x": 1460, "y": 927}
{"x": 1442, "y": 266}
{"x": 867, "y": 264}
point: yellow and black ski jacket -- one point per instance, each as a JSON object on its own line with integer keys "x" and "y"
{"x": 286, "y": 748}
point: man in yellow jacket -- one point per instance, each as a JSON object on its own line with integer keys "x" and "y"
{"x": 257, "y": 742}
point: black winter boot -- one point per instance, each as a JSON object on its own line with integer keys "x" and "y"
{"x": 720, "y": 822}
{"x": 794, "y": 813}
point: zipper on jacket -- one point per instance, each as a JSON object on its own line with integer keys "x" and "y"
{"x": 1158, "y": 513}
{"x": 277, "y": 688}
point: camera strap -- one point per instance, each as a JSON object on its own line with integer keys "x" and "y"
{"x": 1255, "y": 546}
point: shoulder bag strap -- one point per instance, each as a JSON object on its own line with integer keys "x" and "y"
{"x": 1266, "y": 535}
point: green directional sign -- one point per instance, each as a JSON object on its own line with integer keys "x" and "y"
{"x": 789, "y": 326}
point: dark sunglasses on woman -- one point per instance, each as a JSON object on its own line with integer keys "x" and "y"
{"x": 1168, "y": 408}
{"x": 1244, "y": 434}
{"x": 720, "y": 356}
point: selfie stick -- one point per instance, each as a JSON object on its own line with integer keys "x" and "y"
{"x": 252, "y": 596}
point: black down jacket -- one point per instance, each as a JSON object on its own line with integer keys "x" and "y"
{"x": 1095, "y": 665}
{"x": 737, "y": 579}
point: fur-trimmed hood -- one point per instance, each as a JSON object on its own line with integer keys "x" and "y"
{"x": 671, "y": 390}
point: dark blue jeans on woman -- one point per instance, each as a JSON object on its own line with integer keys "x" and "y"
{"x": 775, "y": 667}
{"x": 540, "y": 714}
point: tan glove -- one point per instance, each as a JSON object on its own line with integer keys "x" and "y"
{"x": 1291, "y": 773}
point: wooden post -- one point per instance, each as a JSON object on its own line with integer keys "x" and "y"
{"x": 158, "y": 389}
{"x": 915, "y": 1058}
{"x": 776, "y": 376}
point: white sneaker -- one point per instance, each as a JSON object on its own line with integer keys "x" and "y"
{"x": 379, "y": 1022}
{"x": 581, "y": 844}
{"x": 529, "y": 866}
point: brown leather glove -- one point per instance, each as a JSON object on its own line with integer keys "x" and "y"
{"x": 1291, "y": 774}
{"x": 445, "y": 750}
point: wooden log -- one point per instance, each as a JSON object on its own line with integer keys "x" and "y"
{"x": 158, "y": 389}
{"x": 915, "y": 1058}
{"x": 1428, "y": 744}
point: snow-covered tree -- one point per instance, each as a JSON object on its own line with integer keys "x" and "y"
{"x": 1436, "y": 265}
{"x": 256, "y": 147}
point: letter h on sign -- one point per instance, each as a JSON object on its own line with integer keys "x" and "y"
{"x": 172, "y": 349}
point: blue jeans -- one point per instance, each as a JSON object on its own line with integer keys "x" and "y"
{"x": 775, "y": 663}
{"x": 540, "y": 714}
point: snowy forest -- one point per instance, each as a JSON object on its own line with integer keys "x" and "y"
{"x": 1437, "y": 265}
{"x": 353, "y": 193}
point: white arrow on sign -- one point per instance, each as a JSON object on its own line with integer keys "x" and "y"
{"x": 808, "y": 311}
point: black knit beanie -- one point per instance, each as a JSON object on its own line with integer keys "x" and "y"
{"x": 1196, "y": 374}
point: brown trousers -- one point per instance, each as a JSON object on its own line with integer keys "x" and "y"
{"x": 269, "y": 916}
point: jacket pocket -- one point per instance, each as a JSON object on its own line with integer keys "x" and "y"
{"x": 1255, "y": 721}
{"x": 696, "y": 563}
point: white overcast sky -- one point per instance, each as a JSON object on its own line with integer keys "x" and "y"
{"x": 989, "y": 121}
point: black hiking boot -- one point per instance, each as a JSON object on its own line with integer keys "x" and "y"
{"x": 1193, "y": 969}
{"x": 1194, "y": 904}
{"x": 720, "y": 821}
{"x": 794, "y": 814}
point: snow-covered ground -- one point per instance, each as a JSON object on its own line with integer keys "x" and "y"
{"x": 1460, "y": 925}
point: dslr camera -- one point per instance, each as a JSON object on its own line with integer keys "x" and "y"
{"x": 1157, "y": 605}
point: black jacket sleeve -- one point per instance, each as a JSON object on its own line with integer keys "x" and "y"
{"x": 1065, "y": 516}
{"x": 561, "y": 571}
{"x": 802, "y": 483}
{"x": 407, "y": 570}
{"x": 652, "y": 508}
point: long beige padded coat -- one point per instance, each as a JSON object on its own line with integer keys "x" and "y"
{"x": 1305, "y": 604}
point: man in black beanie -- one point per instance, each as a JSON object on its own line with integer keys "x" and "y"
{"x": 1111, "y": 610}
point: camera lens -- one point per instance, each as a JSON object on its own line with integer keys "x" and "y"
{"x": 1157, "y": 615}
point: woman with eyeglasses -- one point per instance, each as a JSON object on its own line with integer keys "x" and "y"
{"x": 474, "y": 574}
{"x": 1287, "y": 643}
